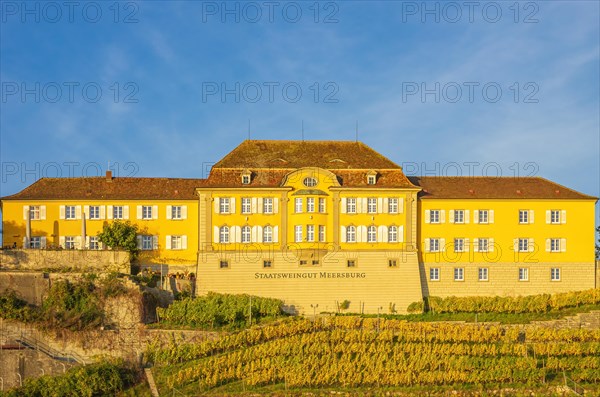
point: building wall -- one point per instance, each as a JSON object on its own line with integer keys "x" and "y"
{"x": 53, "y": 227}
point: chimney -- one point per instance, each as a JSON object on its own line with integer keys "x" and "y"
{"x": 109, "y": 176}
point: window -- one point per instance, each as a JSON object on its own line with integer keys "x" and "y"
{"x": 371, "y": 179}
{"x": 94, "y": 243}
{"x": 315, "y": 262}
{"x": 224, "y": 234}
{"x": 176, "y": 212}
{"x": 36, "y": 242}
{"x": 371, "y": 205}
{"x": 483, "y": 274}
{"x": 34, "y": 213}
{"x": 434, "y": 216}
{"x": 351, "y": 263}
{"x": 459, "y": 245}
{"x": 483, "y": 245}
{"x": 434, "y": 274}
{"x": 351, "y": 205}
{"x": 298, "y": 205}
{"x": 246, "y": 179}
{"x": 310, "y": 182}
{"x": 147, "y": 243}
{"x": 523, "y": 244}
{"x": 69, "y": 212}
{"x": 523, "y": 274}
{"x": 224, "y": 205}
{"x": 372, "y": 234}
{"x": 298, "y": 233}
{"x": 555, "y": 274}
{"x": 392, "y": 263}
{"x": 523, "y": 216}
{"x": 118, "y": 212}
{"x": 483, "y": 216}
{"x": 310, "y": 204}
{"x": 393, "y": 206}
{"x": 146, "y": 212}
{"x": 434, "y": 245}
{"x": 246, "y": 205}
{"x": 351, "y": 234}
{"x": 322, "y": 208}
{"x": 268, "y": 205}
{"x": 555, "y": 216}
{"x": 303, "y": 262}
{"x": 223, "y": 264}
{"x": 459, "y": 216}
{"x": 267, "y": 264}
{"x": 321, "y": 233}
{"x": 393, "y": 234}
{"x": 94, "y": 212}
{"x": 267, "y": 234}
{"x": 555, "y": 245}
{"x": 459, "y": 274}
{"x": 176, "y": 243}
{"x": 310, "y": 233}
{"x": 69, "y": 242}
{"x": 245, "y": 234}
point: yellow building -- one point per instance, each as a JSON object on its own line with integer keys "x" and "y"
{"x": 318, "y": 223}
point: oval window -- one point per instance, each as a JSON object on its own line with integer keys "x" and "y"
{"x": 310, "y": 182}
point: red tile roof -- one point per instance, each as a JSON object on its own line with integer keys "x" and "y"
{"x": 493, "y": 188}
{"x": 99, "y": 188}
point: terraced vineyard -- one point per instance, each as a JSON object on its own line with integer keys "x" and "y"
{"x": 353, "y": 352}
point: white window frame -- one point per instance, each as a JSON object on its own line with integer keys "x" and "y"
{"x": 322, "y": 205}
{"x": 310, "y": 204}
{"x": 483, "y": 245}
{"x": 268, "y": 234}
{"x": 246, "y": 179}
{"x": 371, "y": 205}
{"x": 310, "y": 233}
{"x": 146, "y": 212}
{"x": 351, "y": 205}
{"x": 224, "y": 205}
{"x": 459, "y": 216}
{"x": 555, "y": 274}
{"x": 94, "y": 243}
{"x": 34, "y": 212}
{"x": 246, "y": 205}
{"x": 393, "y": 205}
{"x": 298, "y": 205}
{"x": 459, "y": 274}
{"x": 268, "y": 205}
{"x": 434, "y": 245}
{"x": 483, "y": 274}
{"x": 523, "y": 217}
{"x": 176, "y": 212}
{"x": 393, "y": 234}
{"x": 459, "y": 244}
{"x": 351, "y": 234}
{"x": 371, "y": 179}
{"x": 555, "y": 245}
{"x": 147, "y": 243}
{"x": 117, "y": 212}
{"x": 70, "y": 212}
{"x": 523, "y": 244}
{"x": 246, "y": 233}
{"x": 484, "y": 216}
{"x": 70, "y": 242}
{"x": 321, "y": 233}
{"x": 372, "y": 234}
{"x": 555, "y": 217}
{"x": 434, "y": 274}
{"x": 224, "y": 235}
{"x": 94, "y": 212}
{"x": 176, "y": 242}
{"x": 523, "y": 274}
{"x": 434, "y": 216}
{"x": 298, "y": 233}
{"x": 35, "y": 242}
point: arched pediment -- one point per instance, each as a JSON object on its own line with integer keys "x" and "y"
{"x": 324, "y": 177}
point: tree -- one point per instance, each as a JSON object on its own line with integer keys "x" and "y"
{"x": 120, "y": 235}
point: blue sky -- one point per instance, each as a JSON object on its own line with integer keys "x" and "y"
{"x": 369, "y": 61}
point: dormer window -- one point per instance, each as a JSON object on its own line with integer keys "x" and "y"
{"x": 310, "y": 182}
{"x": 246, "y": 177}
{"x": 371, "y": 178}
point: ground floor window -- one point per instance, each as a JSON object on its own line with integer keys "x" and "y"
{"x": 392, "y": 263}
{"x": 223, "y": 264}
{"x": 35, "y": 242}
{"x": 434, "y": 274}
{"x": 483, "y": 274}
{"x": 69, "y": 242}
{"x": 267, "y": 264}
{"x": 523, "y": 274}
{"x": 94, "y": 243}
{"x": 555, "y": 274}
{"x": 351, "y": 263}
{"x": 459, "y": 274}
